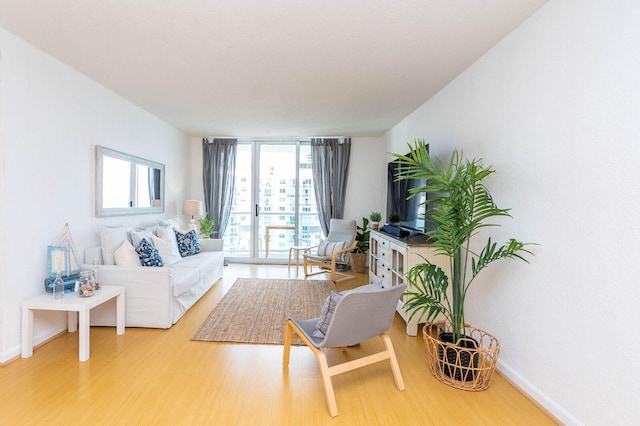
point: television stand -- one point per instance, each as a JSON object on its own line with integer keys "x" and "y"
{"x": 391, "y": 257}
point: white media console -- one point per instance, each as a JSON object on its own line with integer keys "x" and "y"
{"x": 390, "y": 258}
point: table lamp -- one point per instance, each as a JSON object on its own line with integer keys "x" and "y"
{"x": 192, "y": 208}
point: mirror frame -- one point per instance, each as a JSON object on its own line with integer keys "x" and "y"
{"x": 101, "y": 152}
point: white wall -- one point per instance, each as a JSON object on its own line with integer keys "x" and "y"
{"x": 554, "y": 108}
{"x": 51, "y": 119}
{"x": 366, "y": 185}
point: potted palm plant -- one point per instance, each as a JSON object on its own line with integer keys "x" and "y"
{"x": 359, "y": 254}
{"x": 463, "y": 357}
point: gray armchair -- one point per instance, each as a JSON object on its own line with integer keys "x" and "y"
{"x": 358, "y": 315}
{"x": 328, "y": 255}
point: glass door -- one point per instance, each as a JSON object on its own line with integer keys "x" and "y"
{"x": 274, "y": 204}
{"x": 276, "y": 199}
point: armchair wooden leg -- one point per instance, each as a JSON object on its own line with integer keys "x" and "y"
{"x": 290, "y": 329}
{"x": 395, "y": 368}
{"x": 288, "y": 334}
{"x": 304, "y": 267}
{"x": 326, "y": 381}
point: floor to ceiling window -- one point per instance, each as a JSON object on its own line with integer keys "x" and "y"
{"x": 274, "y": 204}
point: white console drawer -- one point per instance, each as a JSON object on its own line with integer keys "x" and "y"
{"x": 384, "y": 254}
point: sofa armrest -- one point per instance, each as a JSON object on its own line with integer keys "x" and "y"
{"x": 211, "y": 244}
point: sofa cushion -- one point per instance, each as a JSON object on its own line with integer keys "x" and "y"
{"x": 148, "y": 254}
{"x": 126, "y": 255}
{"x": 187, "y": 272}
{"x": 188, "y": 244}
{"x": 111, "y": 238}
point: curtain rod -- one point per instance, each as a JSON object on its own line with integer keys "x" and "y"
{"x": 276, "y": 139}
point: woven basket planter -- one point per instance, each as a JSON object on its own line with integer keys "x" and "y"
{"x": 466, "y": 368}
{"x": 358, "y": 262}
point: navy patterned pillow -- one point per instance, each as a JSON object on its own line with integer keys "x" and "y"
{"x": 188, "y": 243}
{"x": 148, "y": 254}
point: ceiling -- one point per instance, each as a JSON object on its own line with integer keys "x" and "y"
{"x": 269, "y": 68}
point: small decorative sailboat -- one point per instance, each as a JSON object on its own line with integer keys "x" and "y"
{"x": 62, "y": 255}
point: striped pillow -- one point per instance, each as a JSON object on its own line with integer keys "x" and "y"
{"x": 327, "y": 248}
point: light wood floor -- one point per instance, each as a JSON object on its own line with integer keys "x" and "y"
{"x": 149, "y": 376}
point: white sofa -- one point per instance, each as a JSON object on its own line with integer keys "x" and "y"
{"x": 157, "y": 297}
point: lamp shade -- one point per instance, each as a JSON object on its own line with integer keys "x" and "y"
{"x": 192, "y": 208}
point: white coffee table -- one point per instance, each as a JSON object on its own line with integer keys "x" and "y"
{"x": 71, "y": 303}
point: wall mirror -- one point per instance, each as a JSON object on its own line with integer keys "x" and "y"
{"x": 127, "y": 185}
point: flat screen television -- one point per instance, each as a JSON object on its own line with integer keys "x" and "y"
{"x": 412, "y": 211}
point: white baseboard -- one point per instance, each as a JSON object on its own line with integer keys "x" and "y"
{"x": 543, "y": 400}
{"x": 16, "y": 352}
{"x": 8, "y": 356}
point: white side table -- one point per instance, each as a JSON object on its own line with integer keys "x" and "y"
{"x": 296, "y": 251}
{"x": 71, "y": 303}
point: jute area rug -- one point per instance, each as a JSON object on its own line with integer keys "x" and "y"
{"x": 255, "y": 310}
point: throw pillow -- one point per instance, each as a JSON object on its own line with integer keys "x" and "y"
{"x": 148, "y": 254}
{"x": 140, "y": 233}
{"x": 326, "y": 314}
{"x": 170, "y": 238}
{"x": 168, "y": 252}
{"x": 188, "y": 243}
{"x": 167, "y": 234}
{"x": 327, "y": 248}
{"x": 126, "y": 255}
{"x": 111, "y": 238}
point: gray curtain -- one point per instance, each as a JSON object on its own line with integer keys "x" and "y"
{"x": 219, "y": 170}
{"x": 330, "y": 163}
